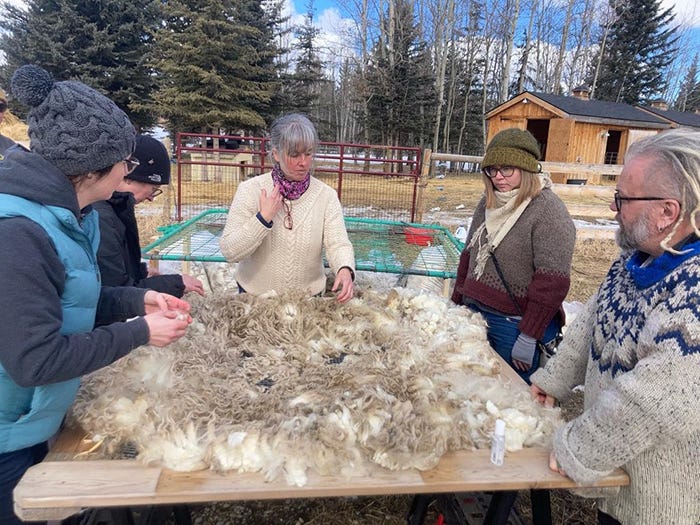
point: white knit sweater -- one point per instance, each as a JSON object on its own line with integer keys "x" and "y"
{"x": 280, "y": 259}
{"x": 637, "y": 347}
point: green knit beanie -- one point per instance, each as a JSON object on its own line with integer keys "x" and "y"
{"x": 513, "y": 147}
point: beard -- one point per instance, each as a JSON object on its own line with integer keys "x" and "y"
{"x": 631, "y": 237}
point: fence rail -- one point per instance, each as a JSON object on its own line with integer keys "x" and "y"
{"x": 372, "y": 181}
{"x": 560, "y": 171}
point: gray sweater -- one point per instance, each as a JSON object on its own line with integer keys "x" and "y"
{"x": 636, "y": 346}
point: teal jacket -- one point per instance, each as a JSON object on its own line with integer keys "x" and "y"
{"x": 52, "y": 299}
{"x": 33, "y": 414}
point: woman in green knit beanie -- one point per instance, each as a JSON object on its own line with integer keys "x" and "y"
{"x": 516, "y": 263}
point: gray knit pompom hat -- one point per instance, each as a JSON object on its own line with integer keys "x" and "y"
{"x": 513, "y": 147}
{"x": 70, "y": 124}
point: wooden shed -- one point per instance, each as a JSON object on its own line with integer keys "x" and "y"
{"x": 576, "y": 129}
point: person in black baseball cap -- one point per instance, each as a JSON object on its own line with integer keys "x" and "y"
{"x": 119, "y": 255}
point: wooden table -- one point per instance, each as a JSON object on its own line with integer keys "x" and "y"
{"x": 61, "y": 486}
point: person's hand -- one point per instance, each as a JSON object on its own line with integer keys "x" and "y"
{"x": 541, "y": 396}
{"x": 192, "y": 284}
{"x": 523, "y": 352}
{"x": 343, "y": 280}
{"x": 554, "y": 465}
{"x": 270, "y": 204}
{"x": 163, "y": 302}
{"x": 164, "y": 327}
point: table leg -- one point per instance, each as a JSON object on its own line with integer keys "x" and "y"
{"x": 419, "y": 508}
{"x": 500, "y": 507}
{"x": 541, "y": 507}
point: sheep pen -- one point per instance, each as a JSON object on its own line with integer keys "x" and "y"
{"x": 284, "y": 384}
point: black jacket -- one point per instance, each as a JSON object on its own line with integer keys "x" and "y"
{"x": 119, "y": 255}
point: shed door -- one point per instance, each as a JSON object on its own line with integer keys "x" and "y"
{"x": 612, "y": 146}
{"x": 540, "y": 130}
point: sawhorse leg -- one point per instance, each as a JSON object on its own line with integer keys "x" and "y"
{"x": 502, "y": 503}
{"x": 419, "y": 508}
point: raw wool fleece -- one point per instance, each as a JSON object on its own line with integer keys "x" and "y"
{"x": 284, "y": 384}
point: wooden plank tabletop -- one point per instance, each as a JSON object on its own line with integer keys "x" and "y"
{"x": 58, "y": 489}
{"x": 64, "y": 484}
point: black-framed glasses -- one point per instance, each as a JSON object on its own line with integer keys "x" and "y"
{"x": 492, "y": 171}
{"x": 156, "y": 192}
{"x": 288, "y": 223}
{"x": 131, "y": 163}
{"x": 619, "y": 199}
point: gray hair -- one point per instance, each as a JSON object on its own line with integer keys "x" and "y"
{"x": 293, "y": 133}
{"x": 675, "y": 170}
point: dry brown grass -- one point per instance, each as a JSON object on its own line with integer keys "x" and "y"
{"x": 592, "y": 258}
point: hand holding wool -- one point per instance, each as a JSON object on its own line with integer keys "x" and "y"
{"x": 524, "y": 351}
{"x": 162, "y": 302}
{"x": 166, "y": 327}
{"x": 344, "y": 281}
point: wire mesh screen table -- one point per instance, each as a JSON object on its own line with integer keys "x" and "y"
{"x": 380, "y": 245}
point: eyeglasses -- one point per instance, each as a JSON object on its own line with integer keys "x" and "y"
{"x": 505, "y": 171}
{"x": 288, "y": 223}
{"x": 156, "y": 192}
{"x": 619, "y": 198}
{"x": 131, "y": 164}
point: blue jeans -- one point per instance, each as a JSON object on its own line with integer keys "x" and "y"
{"x": 13, "y": 465}
{"x": 502, "y": 332}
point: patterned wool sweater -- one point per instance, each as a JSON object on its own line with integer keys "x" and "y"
{"x": 535, "y": 258}
{"x": 280, "y": 259}
{"x": 638, "y": 344}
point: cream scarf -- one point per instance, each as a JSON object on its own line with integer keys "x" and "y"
{"x": 498, "y": 223}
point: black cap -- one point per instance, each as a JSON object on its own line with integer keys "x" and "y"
{"x": 154, "y": 161}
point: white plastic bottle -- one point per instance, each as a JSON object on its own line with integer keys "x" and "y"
{"x": 498, "y": 444}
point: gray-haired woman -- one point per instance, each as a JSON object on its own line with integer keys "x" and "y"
{"x": 280, "y": 222}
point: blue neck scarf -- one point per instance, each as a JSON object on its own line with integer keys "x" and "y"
{"x": 645, "y": 276}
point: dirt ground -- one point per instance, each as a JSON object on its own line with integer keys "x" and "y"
{"x": 449, "y": 202}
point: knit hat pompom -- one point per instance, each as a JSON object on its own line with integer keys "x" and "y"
{"x": 31, "y": 85}
{"x": 71, "y": 125}
{"x": 513, "y": 147}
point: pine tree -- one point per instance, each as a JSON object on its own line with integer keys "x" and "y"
{"x": 637, "y": 52}
{"x": 401, "y": 82}
{"x": 99, "y": 43}
{"x": 215, "y": 61}
{"x": 689, "y": 92}
{"x": 305, "y": 88}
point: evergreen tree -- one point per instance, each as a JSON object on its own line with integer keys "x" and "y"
{"x": 215, "y": 65}
{"x": 689, "y": 94}
{"x": 401, "y": 82}
{"x": 305, "y": 87}
{"x": 99, "y": 43}
{"x": 637, "y": 52}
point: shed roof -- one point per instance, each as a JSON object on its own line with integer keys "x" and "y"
{"x": 596, "y": 111}
{"x": 681, "y": 118}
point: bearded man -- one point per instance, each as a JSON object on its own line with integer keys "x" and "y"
{"x": 636, "y": 347}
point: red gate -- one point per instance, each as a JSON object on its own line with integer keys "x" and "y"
{"x": 372, "y": 181}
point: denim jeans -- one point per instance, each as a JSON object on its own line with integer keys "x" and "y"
{"x": 502, "y": 332}
{"x": 13, "y": 465}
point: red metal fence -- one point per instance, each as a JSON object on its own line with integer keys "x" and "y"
{"x": 372, "y": 181}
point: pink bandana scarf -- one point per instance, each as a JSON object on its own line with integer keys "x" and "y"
{"x": 290, "y": 189}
